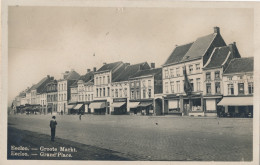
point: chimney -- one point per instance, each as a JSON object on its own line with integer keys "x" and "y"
{"x": 231, "y": 47}
{"x": 88, "y": 70}
{"x": 152, "y": 65}
{"x": 94, "y": 69}
{"x": 216, "y": 30}
{"x": 48, "y": 76}
{"x": 104, "y": 63}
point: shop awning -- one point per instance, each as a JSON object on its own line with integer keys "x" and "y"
{"x": 236, "y": 101}
{"x": 145, "y": 104}
{"x": 97, "y": 105}
{"x": 133, "y": 104}
{"x": 71, "y": 106}
{"x": 78, "y": 106}
{"x": 117, "y": 104}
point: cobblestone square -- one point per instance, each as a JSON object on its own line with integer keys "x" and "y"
{"x": 152, "y": 138}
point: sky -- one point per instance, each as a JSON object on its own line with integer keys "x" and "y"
{"x": 51, "y": 40}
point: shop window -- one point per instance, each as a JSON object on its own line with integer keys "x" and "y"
{"x": 217, "y": 87}
{"x": 230, "y": 89}
{"x": 241, "y": 88}
{"x": 208, "y": 87}
{"x": 208, "y": 77}
{"x": 250, "y": 88}
{"x": 217, "y": 75}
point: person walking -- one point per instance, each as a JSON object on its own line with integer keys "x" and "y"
{"x": 80, "y": 116}
{"x": 53, "y": 124}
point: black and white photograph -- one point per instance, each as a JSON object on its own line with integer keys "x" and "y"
{"x": 126, "y": 82}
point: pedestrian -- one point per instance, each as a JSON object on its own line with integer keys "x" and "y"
{"x": 80, "y": 116}
{"x": 53, "y": 124}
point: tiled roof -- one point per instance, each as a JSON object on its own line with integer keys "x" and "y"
{"x": 199, "y": 47}
{"x": 73, "y": 75}
{"x": 218, "y": 56}
{"x": 110, "y": 66}
{"x": 131, "y": 70}
{"x": 238, "y": 65}
{"x": 87, "y": 77}
{"x": 178, "y": 53}
{"x": 147, "y": 72}
{"x": 119, "y": 71}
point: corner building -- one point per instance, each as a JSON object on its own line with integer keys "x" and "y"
{"x": 190, "y": 57}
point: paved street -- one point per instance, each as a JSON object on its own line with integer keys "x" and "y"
{"x": 172, "y": 138}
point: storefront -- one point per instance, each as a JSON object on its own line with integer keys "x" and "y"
{"x": 118, "y": 107}
{"x": 146, "y": 108}
{"x": 236, "y": 106}
{"x": 79, "y": 109}
{"x": 70, "y": 108}
{"x": 133, "y": 108}
{"x": 99, "y": 108}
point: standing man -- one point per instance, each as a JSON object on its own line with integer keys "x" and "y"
{"x": 53, "y": 124}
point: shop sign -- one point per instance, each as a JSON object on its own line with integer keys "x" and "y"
{"x": 119, "y": 100}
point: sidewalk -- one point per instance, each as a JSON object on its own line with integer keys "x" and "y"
{"x": 34, "y": 141}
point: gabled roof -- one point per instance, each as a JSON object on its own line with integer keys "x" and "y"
{"x": 178, "y": 54}
{"x": 110, "y": 66}
{"x": 72, "y": 75}
{"x": 85, "y": 78}
{"x": 218, "y": 57}
{"x": 147, "y": 72}
{"x": 131, "y": 70}
{"x": 238, "y": 65}
{"x": 199, "y": 47}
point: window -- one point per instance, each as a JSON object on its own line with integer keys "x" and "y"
{"x": 197, "y": 67}
{"x": 104, "y": 80}
{"x": 208, "y": 77}
{"x": 217, "y": 87}
{"x": 61, "y": 86}
{"x": 120, "y": 92}
{"x": 230, "y": 78}
{"x": 100, "y": 92}
{"x": 97, "y": 92}
{"x": 108, "y": 90}
{"x": 137, "y": 94}
{"x": 192, "y": 84}
{"x": 250, "y": 88}
{"x": 132, "y": 94}
{"x": 191, "y": 69}
{"x": 125, "y": 92}
{"x": 172, "y": 87}
{"x": 144, "y": 93}
{"x": 240, "y": 77}
{"x": 96, "y": 80}
{"x": 171, "y": 72}
{"x": 91, "y": 96}
{"x": 178, "y": 86}
{"x": 166, "y": 87}
{"x": 132, "y": 84}
{"x": 166, "y": 73}
{"x": 65, "y": 98}
{"x": 177, "y": 71}
{"x": 108, "y": 79}
{"x": 149, "y": 83}
{"x": 116, "y": 95}
{"x": 208, "y": 87}
{"x": 112, "y": 92}
{"x": 137, "y": 84}
{"x": 217, "y": 75}
{"x": 149, "y": 93}
{"x": 144, "y": 83}
{"x": 104, "y": 92}
{"x": 230, "y": 89}
{"x": 198, "y": 84}
{"x": 100, "y": 80}
{"x": 241, "y": 88}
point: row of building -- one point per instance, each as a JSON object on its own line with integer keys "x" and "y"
{"x": 202, "y": 78}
